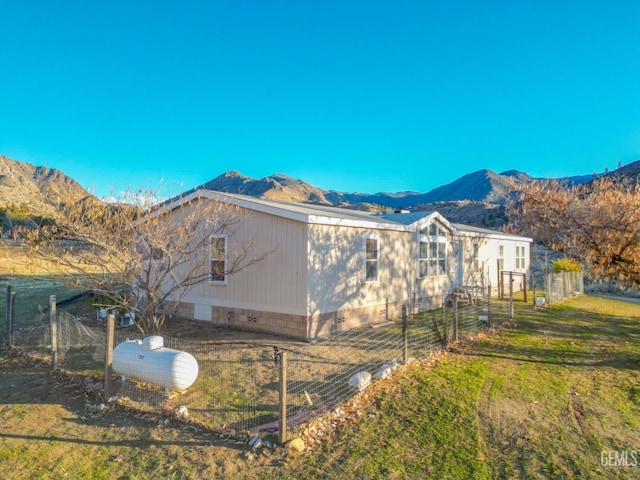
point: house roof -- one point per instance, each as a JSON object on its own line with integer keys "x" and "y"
{"x": 329, "y": 215}
{"x": 311, "y": 213}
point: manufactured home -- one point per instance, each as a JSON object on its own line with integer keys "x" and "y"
{"x": 326, "y": 269}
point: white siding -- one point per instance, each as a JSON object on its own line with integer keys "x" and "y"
{"x": 276, "y": 283}
{"x": 488, "y": 255}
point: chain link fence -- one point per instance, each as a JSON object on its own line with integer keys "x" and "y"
{"x": 238, "y": 387}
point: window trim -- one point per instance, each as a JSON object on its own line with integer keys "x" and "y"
{"x": 475, "y": 253}
{"x": 521, "y": 263}
{"x": 213, "y": 281}
{"x": 367, "y": 260}
{"x": 434, "y": 236}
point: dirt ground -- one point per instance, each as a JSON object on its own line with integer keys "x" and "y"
{"x": 50, "y": 429}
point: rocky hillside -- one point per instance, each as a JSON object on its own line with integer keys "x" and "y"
{"x": 275, "y": 187}
{"x": 36, "y": 189}
{"x": 477, "y": 198}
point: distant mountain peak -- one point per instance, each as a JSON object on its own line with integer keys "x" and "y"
{"x": 41, "y": 188}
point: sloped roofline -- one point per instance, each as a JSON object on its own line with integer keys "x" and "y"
{"x": 329, "y": 215}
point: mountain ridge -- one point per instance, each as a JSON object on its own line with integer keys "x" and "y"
{"x": 477, "y": 198}
{"x": 40, "y": 188}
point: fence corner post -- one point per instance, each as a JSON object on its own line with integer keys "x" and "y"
{"x": 108, "y": 368}
{"x": 53, "y": 329}
{"x": 282, "y": 431}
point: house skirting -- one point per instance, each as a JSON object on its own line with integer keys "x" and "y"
{"x": 300, "y": 326}
{"x": 244, "y": 319}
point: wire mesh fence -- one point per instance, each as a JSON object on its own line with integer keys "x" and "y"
{"x": 238, "y": 385}
{"x": 556, "y": 286}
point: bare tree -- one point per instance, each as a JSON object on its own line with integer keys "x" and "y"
{"x": 597, "y": 224}
{"x": 143, "y": 256}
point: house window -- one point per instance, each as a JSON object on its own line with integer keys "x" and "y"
{"x": 218, "y": 259}
{"x": 372, "y": 258}
{"x": 433, "y": 251}
{"x": 476, "y": 257}
{"x": 520, "y": 262}
{"x": 500, "y": 258}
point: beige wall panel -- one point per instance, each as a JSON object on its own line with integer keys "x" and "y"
{"x": 278, "y": 280}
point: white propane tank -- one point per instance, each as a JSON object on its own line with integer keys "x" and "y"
{"x": 149, "y": 361}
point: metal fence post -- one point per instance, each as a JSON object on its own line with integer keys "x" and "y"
{"x": 108, "y": 368}
{"x": 53, "y": 329}
{"x": 282, "y": 431}
{"x": 455, "y": 318}
{"x": 405, "y": 335}
{"x": 489, "y": 306}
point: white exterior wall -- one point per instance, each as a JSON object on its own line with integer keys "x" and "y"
{"x": 488, "y": 255}
{"x": 336, "y": 277}
{"x": 337, "y": 271}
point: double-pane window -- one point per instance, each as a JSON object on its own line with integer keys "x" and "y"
{"x": 372, "y": 255}
{"x": 218, "y": 259}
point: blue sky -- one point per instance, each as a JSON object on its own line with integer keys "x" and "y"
{"x": 362, "y": 96}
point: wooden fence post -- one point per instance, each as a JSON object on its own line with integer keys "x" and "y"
{"x": 511, "y": 295}
{"x": 108, "y": 368}
{"x": 282, "y": 431}
{"x": 12, "y": 319}
{"x": 53, "y": 330}
{"x": 8, "y": 310}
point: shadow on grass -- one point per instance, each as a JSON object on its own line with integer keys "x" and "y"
{"x": 575, "y": 337}
{"x": 140, "y": 443}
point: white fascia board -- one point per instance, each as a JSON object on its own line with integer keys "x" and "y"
{"x": 418, "y": 224}
{"x": 345, "y": 222}
{"x": 492, "y": 236}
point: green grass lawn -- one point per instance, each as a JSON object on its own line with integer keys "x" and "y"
{"x": 550, "y": 395}
{"x": 32, "y": 294}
